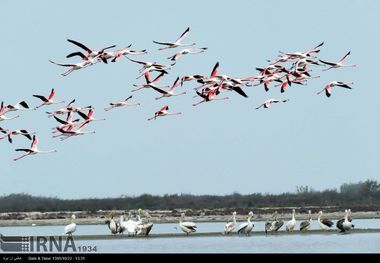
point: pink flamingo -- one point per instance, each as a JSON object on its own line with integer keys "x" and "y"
{"x": 187, "y": 51}
{"x": 163, "y": 112}
{"x": 307, "y": 54}
{"x": 68, "y": 122}
{"x": 177, "y": 43}
{"x": 149, "y": 83}
{"x": 76, "y": 66}
{"x": 89, "y": 117}
{"x": 91, "y": 52}
{"x": 337, "y": 64}
{"x": 3, "y": 111}
{"x": 209, "y": 96}
{"x": 121, "y": 104}
{"x": 63, "y": 110}
{"x": 191, "y": 77}
{"x": 32, "y": 150}
{"x": 18, "y": 132}
{"x": 269, "y": 102}
{"x": 332, "y": 84}
{"x": 170, "y": 92}
{"x": 47, "y": 101}
{"x": 65, "y": 134}
{"x": 3, "y": 130}
{"x": 150, "y": 65}
{"x": 22, "y": 105}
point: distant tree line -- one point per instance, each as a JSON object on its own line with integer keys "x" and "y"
{"x": 362, "y": 194}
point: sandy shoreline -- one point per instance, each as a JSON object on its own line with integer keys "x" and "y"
{"x": 163, "y": 216}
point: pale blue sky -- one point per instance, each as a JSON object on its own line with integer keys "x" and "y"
{"x": 215, "y": 148}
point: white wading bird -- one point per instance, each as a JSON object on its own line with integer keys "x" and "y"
{"x": 70, "y": 228}
{"x": 230, "y": 226}
{"x": 186, "y": 227}
{"x": 324, "y": 223}
{"x": 292, "y": 223}
{"x": 246, "y": 227}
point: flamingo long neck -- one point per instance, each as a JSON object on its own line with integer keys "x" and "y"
{"x": 51, "y": 151}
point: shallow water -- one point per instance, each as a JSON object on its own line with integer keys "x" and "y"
{"x": 317, "y": 243}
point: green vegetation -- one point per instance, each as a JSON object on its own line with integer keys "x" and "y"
{"x": 365, "y": 195}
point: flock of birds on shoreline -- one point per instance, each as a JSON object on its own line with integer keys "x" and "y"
{"x": 140, "y": 228}
{"x": 211, "y": 86}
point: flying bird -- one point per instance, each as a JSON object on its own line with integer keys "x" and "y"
{"x": 175, "y": 44}
{"x": 338, "y": 64}
{"x": 47, "y": 100}
{"x": 269, "y": 102}
{"x": 332, "y": 84}
{"x": 163, "y": 112}
{"x": 169, "y": 93}
{"x": 185, "y": 51}
{"x": 32, "y": 150}
{"x": 121, "y": 104}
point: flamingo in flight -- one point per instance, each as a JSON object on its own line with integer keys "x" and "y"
{"x": 338, "y": 64}
{"x": 170, "y": 92}
{"x": 2, "y": 130}
{"x": 76, "y": 66}
{"x": 209, "y": 96}
{"x": 121, "y": 104}
{"x": 18, "y": 132}
{"x": 307, "y": 54}
{"x": 69, "y": 132}
{"x": 22, "y": 105}
{"x": 269, "y": 102}
{"x": 91, "y": 52}
{"x": 149, "y": 83}
{"x": 67, "y": 109}
{"x": 32, "y": 150}
{"x": 89, "y": 117}
{"x": 185, "y": 51}
{"x": 63, "y": 110}
{"x": 332, "y": 84}
{"x": 47, "y": 101}
{"x": 230, "y": 85}
{"x": 149, "y": 64}
{"x": 175, "y": 44}
{"x": 163, "y": 112}
{"x": 212, "y": 79}
{"x": 68, "y": 122}
{"x": 191, "y": 77}
{"x": 118, "y": 54}
{"x": 3, "y": 111}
